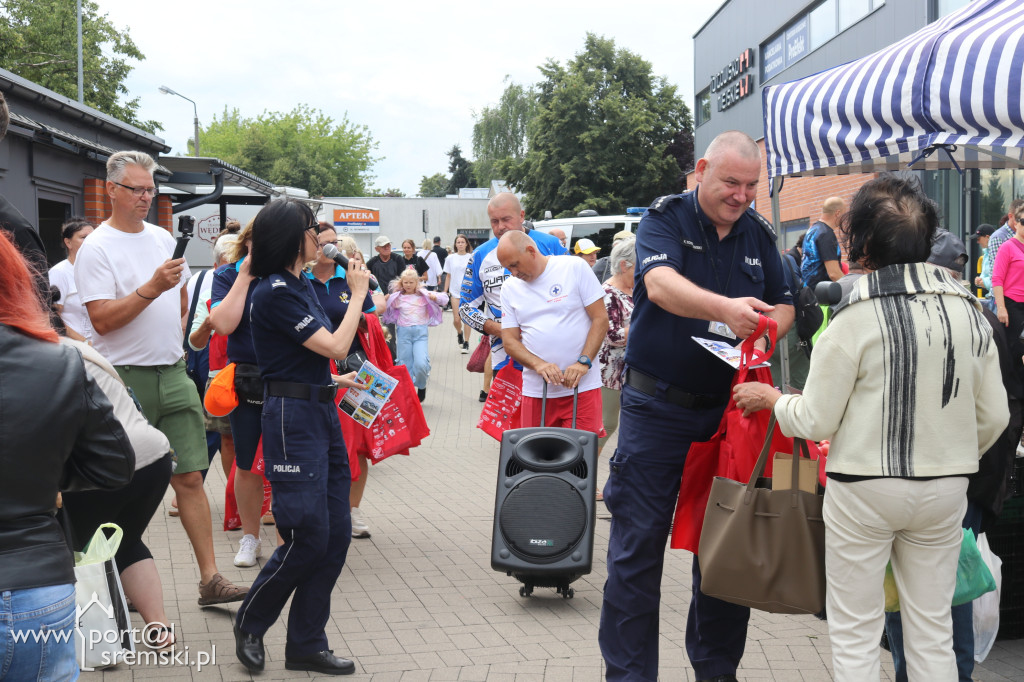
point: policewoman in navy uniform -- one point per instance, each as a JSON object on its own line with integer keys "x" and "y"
{"x": 707, "y": 265}
{"x": 332, "y": 290}
{"x": 305, "y": 456}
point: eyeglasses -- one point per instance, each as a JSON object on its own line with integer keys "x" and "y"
{"x": 315, "y": 227}
{"x": 138, "y": 191}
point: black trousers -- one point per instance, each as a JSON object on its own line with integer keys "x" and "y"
{"x": 130, "y": 507}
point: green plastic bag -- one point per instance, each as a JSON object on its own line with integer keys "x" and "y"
{"x": 973, "y": 578}
{"x": 100, "y": 547}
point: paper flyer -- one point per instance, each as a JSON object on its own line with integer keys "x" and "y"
{"x": 364, "y": 404}
{"x": 724, "y": 352}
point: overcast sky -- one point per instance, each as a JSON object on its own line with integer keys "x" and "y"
{"x": 414, "y": 73}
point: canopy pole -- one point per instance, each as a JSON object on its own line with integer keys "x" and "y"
{"x": 783, "y": 343}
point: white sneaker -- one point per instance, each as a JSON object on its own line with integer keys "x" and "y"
{"x": 248, "y": 551}
{"x": 359, "y": 527}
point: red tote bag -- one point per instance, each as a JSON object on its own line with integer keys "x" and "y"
{"x": 503, "y": 408}
{"x": 232, "y": 520}
{"x": 733, "y": 450}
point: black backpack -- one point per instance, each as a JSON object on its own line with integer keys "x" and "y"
{"x": 809, "y": 316}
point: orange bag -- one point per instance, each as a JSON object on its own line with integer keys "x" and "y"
{"x": 733, "y": 450}
{"x": 220, "y": 397}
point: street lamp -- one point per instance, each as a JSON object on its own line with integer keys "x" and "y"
{"x": 167, "y": 91}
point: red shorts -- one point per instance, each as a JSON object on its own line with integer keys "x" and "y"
{"x": 559, "y": 412}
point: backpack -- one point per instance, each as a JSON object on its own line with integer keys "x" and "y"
{"x": 809, "y": 316}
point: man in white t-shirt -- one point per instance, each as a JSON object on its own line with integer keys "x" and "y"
{"x": 136, "y": 299}
{"x": 553, "y": 322}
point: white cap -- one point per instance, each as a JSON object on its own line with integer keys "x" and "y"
{"x": 381, "y": 241}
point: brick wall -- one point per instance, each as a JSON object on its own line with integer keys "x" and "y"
{"x": 164, "y": 213}
{"x": 97, "y": 203}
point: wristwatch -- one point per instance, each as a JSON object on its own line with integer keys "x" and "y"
{"x": 584, "y": 360}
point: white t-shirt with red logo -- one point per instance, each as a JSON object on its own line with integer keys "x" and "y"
{"x": 552, "y": 318}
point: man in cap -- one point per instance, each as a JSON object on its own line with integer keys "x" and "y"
{"x": 603, "y": 267}
{"x": 386, "y": 266}
{"x": 587, "y": 250}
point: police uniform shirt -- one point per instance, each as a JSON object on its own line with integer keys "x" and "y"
{"x": 284, "y": 313}
{"x": 239, "y": 341}
{"x": 334, "y": 295}
{"x": 675, "y": 233}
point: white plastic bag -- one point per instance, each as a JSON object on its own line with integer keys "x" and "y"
{"x": 986, "y": 607}
{"x": 102, "y": 634}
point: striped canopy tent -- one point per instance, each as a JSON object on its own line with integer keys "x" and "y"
{"x": 947, "y": 96}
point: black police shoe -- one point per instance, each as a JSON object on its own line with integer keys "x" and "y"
{"x": 720, "y": 678}
{"x": 324, "y": 662}
{"x": 249, "y": 650}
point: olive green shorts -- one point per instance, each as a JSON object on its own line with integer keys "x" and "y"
{"x": 170, "y": 402}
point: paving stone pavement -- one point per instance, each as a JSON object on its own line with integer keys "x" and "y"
{"x": 418, "y": 600}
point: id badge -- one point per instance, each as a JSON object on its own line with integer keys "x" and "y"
{"x": 722, "y": 329}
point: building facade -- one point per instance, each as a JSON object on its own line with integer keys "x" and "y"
{"x": 53, "y": 159}
{"x": 749, "y": 44}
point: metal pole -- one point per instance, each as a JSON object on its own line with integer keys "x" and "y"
{"x": 195, "y": 124}
{"x": 81, "y": 83}
{"x": 783, "y": 349}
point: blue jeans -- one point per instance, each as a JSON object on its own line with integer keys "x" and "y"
{"x": 963, "y": 623}
{"x": 37, "y": 634}
{"x": 414, "y": 354}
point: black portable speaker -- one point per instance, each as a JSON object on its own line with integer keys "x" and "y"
{"x": 544, "y": 507}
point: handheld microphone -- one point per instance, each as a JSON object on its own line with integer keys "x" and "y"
{"x": 332, "y": 252}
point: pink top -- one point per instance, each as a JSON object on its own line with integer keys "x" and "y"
{"x": 410, "y": 310}
{"x": 1008, "y": 272}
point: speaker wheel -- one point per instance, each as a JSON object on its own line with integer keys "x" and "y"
{"x": 525, "y": 591}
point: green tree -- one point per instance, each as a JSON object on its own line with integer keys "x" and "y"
{"x": 434, "y": 186}
{"x": 993, "y": 200}
{"x": 461, "y": 170}
{"x": 499, "y": 133}
{"x": 389, "y": 192}
{"x": 39, "y": 42}
{"x": 600, "y": 138}
{"x": 302, "y": 148}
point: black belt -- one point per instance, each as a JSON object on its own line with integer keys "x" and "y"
{"x": 291, "y": 389}
{"x": 677, "y": 396}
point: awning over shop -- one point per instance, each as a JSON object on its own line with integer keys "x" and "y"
{"x": 947, "y": 96}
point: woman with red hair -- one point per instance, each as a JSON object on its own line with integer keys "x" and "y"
{"x": 44, "y": 384}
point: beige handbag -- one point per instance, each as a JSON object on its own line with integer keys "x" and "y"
{"x": 764, "y": 548}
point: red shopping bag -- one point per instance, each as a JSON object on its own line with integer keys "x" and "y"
{"x": 400, "y": 424}
{"x": 732, "y": 451}
{"x": 503, "y": 408}
{"x": 232, "y": 520}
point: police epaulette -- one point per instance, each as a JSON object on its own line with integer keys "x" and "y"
{"x": 662, "y": 202}
{"x": 277, "y": 281}
{"x": 763, "y": 222}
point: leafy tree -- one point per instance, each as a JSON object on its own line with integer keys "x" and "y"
{"x": 389, "y": 192}
{"x": 302, "y": 148}
{"x": 39, "y": 41}
{"x": 993, "y": 200}
{"x": 601, "y": 136}
{"x": 499, "y": 134}
{"x": 461, "y": 170}
{"x": 434, "y": 186}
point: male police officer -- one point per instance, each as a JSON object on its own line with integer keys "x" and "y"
{"x": 674, "y": 395}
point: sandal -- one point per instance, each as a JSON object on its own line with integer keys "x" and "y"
{"x": 220, "y": 590}
{"x": 159, "y": 638}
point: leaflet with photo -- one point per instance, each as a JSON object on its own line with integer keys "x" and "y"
{"x": 724, "y": 352}
{"x": 364, "y": 404}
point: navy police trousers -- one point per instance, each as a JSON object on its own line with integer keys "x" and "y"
{"x": 307, "y": 465}
{"x": 641, "y": 493}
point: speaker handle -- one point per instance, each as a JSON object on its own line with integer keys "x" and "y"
{"x": 544, "y": 403}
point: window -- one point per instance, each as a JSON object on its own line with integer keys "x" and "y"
{"x": 703, "y": 108}
{"x": 852, "y": 11}
{"x": 823, "y": 23}
{"x": 943, "y": 7}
